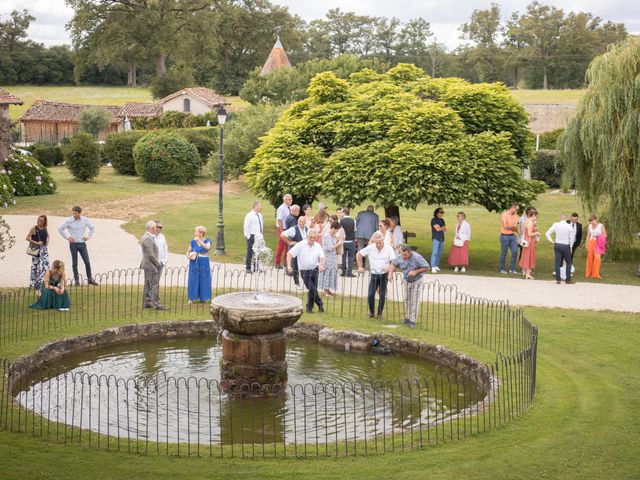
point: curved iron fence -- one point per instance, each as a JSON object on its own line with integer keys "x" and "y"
{"x": 196, "y": 416}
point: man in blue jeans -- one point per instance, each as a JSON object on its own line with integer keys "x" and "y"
{"x": 509, "y": 238}
{"x": 79, "y": 229}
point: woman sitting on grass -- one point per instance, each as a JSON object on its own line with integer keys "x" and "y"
{"x": 54, "y": 294}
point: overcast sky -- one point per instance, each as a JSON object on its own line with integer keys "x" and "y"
{"x": 444, "y": 16}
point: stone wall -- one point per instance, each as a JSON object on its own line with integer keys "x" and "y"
{"x": 547, "y": 118}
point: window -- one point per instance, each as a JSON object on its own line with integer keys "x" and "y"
{"x": 186, "y": 105}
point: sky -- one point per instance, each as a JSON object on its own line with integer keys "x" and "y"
{"x": 445, "y": 16}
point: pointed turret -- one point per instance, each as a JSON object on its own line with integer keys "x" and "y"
{"x": 277, "y": 59}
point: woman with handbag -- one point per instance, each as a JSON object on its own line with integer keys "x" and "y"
{"x": 596, "y": 247}
{"x": 459, "y": 254}
{"x": 199, "y": 280}
{"x": 531, "y": 237}
{"x": 38, "y": 238}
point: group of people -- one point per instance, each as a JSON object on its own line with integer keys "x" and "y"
{"x": 522, "y": 234}
{"x": 48, "y": 279}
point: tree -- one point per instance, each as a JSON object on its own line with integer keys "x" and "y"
{"x": 94, "y": 120}
{"x": 484, "y": 30}
{"x": 539, "y": 31}
{"x": 600, "y": 145}
{"x": 413, "y": 42}
{"x": 13, "y": 32}
{"x": 396, "y": 140}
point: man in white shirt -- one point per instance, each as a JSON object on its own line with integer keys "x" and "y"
{"x": 291, "y": 237}
{"x": 562, "y": 246}
{"x": 310, "y": 257}
{"x": 282, "y": 213}
{"x": 253, "y": 224}
{"x": 380, "y": 257}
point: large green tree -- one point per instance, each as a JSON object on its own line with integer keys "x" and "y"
{"x": 600, "y": 146}
{"x": 398, "y": 139}
{"x": 484, "y": 30}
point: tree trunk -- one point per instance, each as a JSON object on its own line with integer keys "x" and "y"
{"x": 515, "y": 77}
{"x": 161, "y": 65}
{"x": 5, "y": 138}
{"x": 132, "y": 75}
{"x": 392, "y": 211}
{"x": 544, "y": 78}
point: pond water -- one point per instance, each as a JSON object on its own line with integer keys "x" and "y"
{"x": 168, "y": 391}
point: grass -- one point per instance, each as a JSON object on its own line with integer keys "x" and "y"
{"x": 93, "y": 95}
{"x": 582, "y": 425}
{"x": 548, "y": 96}
{"x": 181, "y": 214}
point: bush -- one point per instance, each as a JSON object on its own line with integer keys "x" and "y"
{"x": 6, "y": 189}
{"x": 118, "y": 149}
{"x": 47, "y": 154}
{"x": 242, "y": 137}
{"x": 28, "y": 176}
{"x": 202, "y": 140}
{"x": 94, "y": 120}
{"x": 166, "y": 157}
{"x": 82, "y": 157}
{"x": 549, "y": 140}
{"x": 545, "y": 168}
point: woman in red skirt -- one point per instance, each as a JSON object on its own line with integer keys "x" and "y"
{"x": 459, "y": 254}
{"x": 530, "y": 238}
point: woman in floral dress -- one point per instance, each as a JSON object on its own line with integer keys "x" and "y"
{"x": 39, "y": 235}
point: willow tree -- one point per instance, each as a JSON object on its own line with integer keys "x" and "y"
{"x": 601, "y": 145}
{"x": 397, "y": 139}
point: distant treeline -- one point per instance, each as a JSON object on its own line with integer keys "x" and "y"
{"x": 218, "y": 43}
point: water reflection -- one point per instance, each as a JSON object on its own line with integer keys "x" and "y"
{"x": 168, "y": 392}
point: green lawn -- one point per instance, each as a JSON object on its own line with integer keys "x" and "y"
{"x": 583, "y": 424}
{"x": 548, "y": 96}
{"x": 93, "y": 95}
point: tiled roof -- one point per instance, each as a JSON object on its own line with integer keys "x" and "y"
{"x": 45, "y": 111}
{"x": 207, "y": 95}
{"x": 277, "y": 59}
{"x": 133, "y": 110}
{"x": 7, "y": 98}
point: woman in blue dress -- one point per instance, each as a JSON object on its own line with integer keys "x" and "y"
{"x": 199, "y": 281}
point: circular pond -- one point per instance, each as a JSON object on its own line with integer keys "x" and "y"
{"x": 168, "y": 391}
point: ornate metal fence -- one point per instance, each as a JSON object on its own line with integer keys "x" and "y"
{"x": 195, "y": 416}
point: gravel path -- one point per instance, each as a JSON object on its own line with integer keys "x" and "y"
{"x": 113, "y": 248}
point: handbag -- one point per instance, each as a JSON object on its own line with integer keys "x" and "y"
{"x": 33, "y": 249}
{"x": 458, "y": 242}
{"x": 524, "y": 243}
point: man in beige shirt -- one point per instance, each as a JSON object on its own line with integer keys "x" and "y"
{"x": 509, "y": 238}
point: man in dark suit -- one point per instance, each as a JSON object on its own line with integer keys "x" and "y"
{"x": 577, "y": 233}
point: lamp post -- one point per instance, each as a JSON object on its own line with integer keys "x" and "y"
{"x": 222, "y": 118}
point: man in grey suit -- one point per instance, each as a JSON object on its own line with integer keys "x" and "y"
{"x": 151, "y": 266}
{"x": 366, "y": 225}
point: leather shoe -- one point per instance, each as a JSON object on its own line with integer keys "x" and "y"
{"x": 569, "y": 282}
{"x": 371, "y": 315}
{"x": 321, "y": 309}
{"x": 93, "y": 282}
{"x": 558, "y": 282}
{"x": 379, "y": 317}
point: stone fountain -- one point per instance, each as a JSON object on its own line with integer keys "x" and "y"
{"x": 252, "y": 323}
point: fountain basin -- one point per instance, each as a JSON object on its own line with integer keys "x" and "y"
{"x": 255, "y": 313}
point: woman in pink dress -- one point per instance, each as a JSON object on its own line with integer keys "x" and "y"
{"x": 531, "y": 237}
{"x": 459, "y": 254}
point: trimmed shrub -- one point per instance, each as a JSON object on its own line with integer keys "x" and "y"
{"x": 166, "y": 157}
{"x": 82, "y": 157}
{"x": 6, "y": 189}
{"x": 545, "y": 168}
{"x": 202, "y": 140}
{"x": 28, "y": 176}
{"x": 47, "y": 154}
{"x": 118, "y": 149}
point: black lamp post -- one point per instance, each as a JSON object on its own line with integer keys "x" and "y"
{"x": 222, "y": 118}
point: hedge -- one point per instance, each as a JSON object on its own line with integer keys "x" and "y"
{"x": 166, "y": 157}
{"x": 544, "y": 168}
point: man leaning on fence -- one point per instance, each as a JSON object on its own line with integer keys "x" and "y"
{"x": 151, "y": 266}
{"x": 413, "y": 265}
